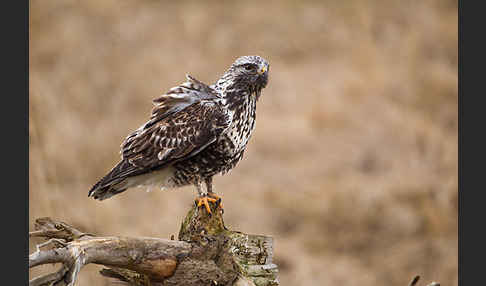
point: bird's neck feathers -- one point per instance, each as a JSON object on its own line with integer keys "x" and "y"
{"x": 237, "y": 92}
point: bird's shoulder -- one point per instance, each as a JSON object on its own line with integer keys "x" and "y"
{"x": 184, "y": 120}
{"x": 178, "y": 97}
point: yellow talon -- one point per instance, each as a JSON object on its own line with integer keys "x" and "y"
{"x": 204, "y": 200}
{"x": 214, "y": 196}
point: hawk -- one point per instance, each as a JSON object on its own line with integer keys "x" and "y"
{"x": 195, "y": 131}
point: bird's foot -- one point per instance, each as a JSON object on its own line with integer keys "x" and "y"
{"x": 205, "y": 199}
{"x": 218, "y": 198}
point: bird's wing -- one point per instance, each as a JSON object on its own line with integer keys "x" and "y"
{"x": 184, "y": 121}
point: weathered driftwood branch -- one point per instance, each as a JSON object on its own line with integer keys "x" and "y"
{"x": 207, "y": 253}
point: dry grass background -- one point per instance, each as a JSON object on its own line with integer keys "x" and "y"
{"x": 352, "y": 167}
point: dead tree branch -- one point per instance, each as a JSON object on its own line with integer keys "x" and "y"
{"x": 206, "y": 254}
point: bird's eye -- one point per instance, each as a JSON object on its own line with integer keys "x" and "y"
{"x": 249, "y": 67}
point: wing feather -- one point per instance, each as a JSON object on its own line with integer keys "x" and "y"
{"x": 183, "y": 122}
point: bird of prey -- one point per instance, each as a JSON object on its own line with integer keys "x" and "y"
{"x": 195, "y": 131}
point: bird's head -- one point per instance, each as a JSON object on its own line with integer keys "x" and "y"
{"x": 251, "y": 71}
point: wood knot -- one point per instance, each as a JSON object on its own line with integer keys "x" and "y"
{"x": 161, "y": 267}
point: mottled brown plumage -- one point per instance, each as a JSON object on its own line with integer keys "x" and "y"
{"x": 195, "y": 132}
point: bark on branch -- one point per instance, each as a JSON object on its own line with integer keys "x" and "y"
{"x": 207, "y": 253}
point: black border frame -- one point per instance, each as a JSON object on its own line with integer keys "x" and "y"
{"x": 16, "y": 141}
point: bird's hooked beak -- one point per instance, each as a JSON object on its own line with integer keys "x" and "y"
{"x": 262, "y": 69}
{"x": 262, "y": 79}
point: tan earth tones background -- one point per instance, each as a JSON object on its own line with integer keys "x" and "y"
{"x": 353, "y": 164}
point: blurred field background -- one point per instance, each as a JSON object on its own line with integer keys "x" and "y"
{"x": 352, "y": 167}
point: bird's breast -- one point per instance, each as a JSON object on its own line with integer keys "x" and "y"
{"x": 236, "y": 137}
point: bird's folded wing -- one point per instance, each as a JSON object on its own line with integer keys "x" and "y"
{"x": 184, "y": 121}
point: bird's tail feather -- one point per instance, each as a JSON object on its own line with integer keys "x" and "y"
{"x": 113, "y": 182}
{"x": 106, "y": 192}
